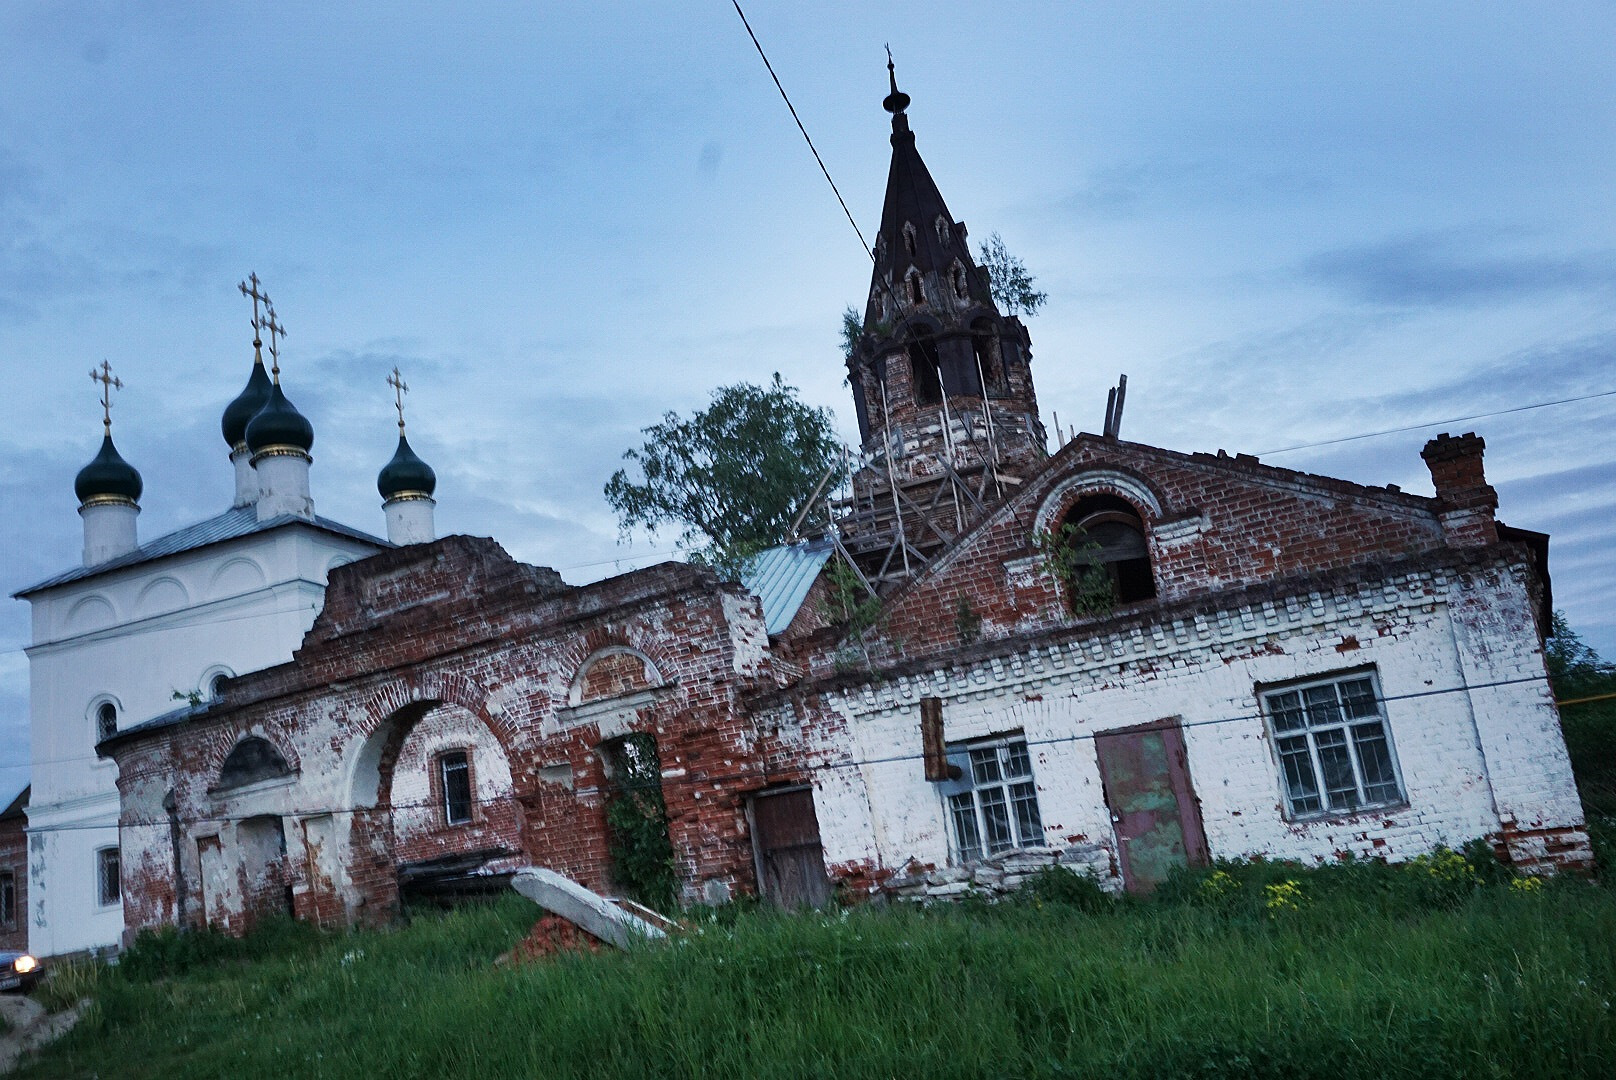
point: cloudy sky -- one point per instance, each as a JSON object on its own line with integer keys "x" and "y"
{"x": 1287, "y": 223}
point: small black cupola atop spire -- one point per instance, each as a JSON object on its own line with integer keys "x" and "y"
{"x": 278, "y": 427}
{"x": 406, "y": 483}
{"x": 239, "y": 413}
{"x": 253, "y": 397}
{"x": 108, "y": 478}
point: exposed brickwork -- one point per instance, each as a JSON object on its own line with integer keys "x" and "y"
{"x": 454, "y": 646}
{"x": 14, "y": 862}
{"x": 1264, "y": 577}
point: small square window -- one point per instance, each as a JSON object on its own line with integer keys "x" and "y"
{"x": 1334, "y": 747}
{"x": 108, "y": 877}
{"x": 993, "y": 807}
{"x": 454, "y": 776}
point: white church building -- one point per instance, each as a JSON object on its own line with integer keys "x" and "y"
{"x": 139, "y": 628}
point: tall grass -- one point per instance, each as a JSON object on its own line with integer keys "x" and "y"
{"x": 1357, "y": 971}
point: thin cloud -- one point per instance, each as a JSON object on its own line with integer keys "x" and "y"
{"x": 1443, "y": 272}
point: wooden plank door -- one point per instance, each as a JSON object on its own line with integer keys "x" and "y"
{"x": 785, "y": 843}
{"x": 1146, "y": 777}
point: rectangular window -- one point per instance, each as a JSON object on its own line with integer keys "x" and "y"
{"x": 108, "y": 877}
{"x": 454, "y": 773}
{"x": 993, "y": 807}
{"x": 8, "y": 898}
{"x": 1335, "y": 751}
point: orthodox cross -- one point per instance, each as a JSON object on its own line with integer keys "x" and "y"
{"x": 257, "y": 298}
{"x": 400, "y": 388}
{"x": 108, "y": 381}
{"x": 276, "y": 332}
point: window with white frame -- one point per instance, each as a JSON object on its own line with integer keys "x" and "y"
{"x": 454, "y": 776}
{"x": 108, "y": 877}
{"x": 993, "y": 806}
{"x": 1335, "y": 749}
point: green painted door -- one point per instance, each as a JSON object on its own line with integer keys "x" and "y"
{"x": 1153, "y": 806}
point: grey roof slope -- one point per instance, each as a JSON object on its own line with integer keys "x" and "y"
{"x": 781, "y": 576}
{"x": 233, "y": 524}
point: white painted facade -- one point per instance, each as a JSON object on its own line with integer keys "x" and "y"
{"x": 144, "y": 637}
{"x": 1473, "y": 727}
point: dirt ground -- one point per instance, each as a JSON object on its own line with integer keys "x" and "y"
{"x": 29, "y": 1027}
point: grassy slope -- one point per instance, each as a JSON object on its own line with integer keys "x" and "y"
{"x": 1506, "y": 983}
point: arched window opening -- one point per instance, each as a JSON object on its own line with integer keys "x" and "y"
{"x": 916, "y": 295}
{"x": 987, "y": 357}
{"x": 1104, "y": 539}
{"x": 962, "y": 283}
{"x": 942, "y": 230}
{"x": 909, "y": 238}
{"x": 923, "y": 363}
{"x": 106, "y": 721}
{"x": 252, "y": 760}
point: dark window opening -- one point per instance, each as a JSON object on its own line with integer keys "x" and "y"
{"x": 987, "y": 357}
{"x": 106, "y": 721}
{"x": 909, "y": 238}
{"x": 1108, "y": 536}
{"x": 216, "y": 685}
{"x": 962, "y": 284}
{"x": 252, "y": 760}
{"x": 942, "y": 230}
{"x": 8, "y": 898}
{"x": 108, "y": 877}
{"x": 454, "y": 774}
{"x": 916, "y": 295}
{"x": 924, "y": 364}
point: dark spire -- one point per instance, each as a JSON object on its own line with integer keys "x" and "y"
{"x": 897, "y": 101}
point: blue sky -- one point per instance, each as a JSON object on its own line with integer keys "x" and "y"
{"x": 1285, "y": 222}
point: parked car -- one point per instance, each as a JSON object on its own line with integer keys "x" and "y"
{"x": 18, "y": 970}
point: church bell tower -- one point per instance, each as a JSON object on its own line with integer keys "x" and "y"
{"x": 941, "y": 379}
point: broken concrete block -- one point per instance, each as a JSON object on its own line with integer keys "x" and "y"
{"x": 587, "y": 910}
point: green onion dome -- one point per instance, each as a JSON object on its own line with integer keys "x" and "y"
{"x": 108, "y": 478}
{"x": 239, "y": 413}
{"x": 279, "y": 424}
{"x": 406, "y": 474}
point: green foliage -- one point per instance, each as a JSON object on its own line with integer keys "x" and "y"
{"x": 852, "y": 330}
{"x": 1007, "y": 276}
{"x": 732, "y": 476}
{"x": 1059, "y": 886}
{"x": 849, "y": 605}
{"x": 1577, "y": 672}
{"x": 967, "y": 622}
{"x": 70, "y": 982}
{"x": 170, "y": 951}
{"x": 637, "y": 821}
{"x": 1511, "y": 982}
{"x": 1575, "y": 669}
{"x": 1073, "y": 559}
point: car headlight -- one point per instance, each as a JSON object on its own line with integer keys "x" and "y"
{"x": 24, "y": 964}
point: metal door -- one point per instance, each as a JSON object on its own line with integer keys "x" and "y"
{"x": 785, "y": 842}
{"x": 1146, "y": 778}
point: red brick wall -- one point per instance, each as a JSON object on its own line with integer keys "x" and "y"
{"x": 458, "y": 623}
{"x": 14, "y": 860}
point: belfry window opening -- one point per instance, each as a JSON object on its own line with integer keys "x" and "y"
{"x": 923, "y": 362}
{"x": 1108, "y": 535}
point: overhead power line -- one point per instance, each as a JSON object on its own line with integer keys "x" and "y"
{"x": 1436, "y": 423}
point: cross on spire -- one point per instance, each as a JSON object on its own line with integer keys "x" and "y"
{"x": 257, "y": 298}
{"x": 400, "y": 388}
{"x": 276, "y": 332}
{"x": 108, "y": 382}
